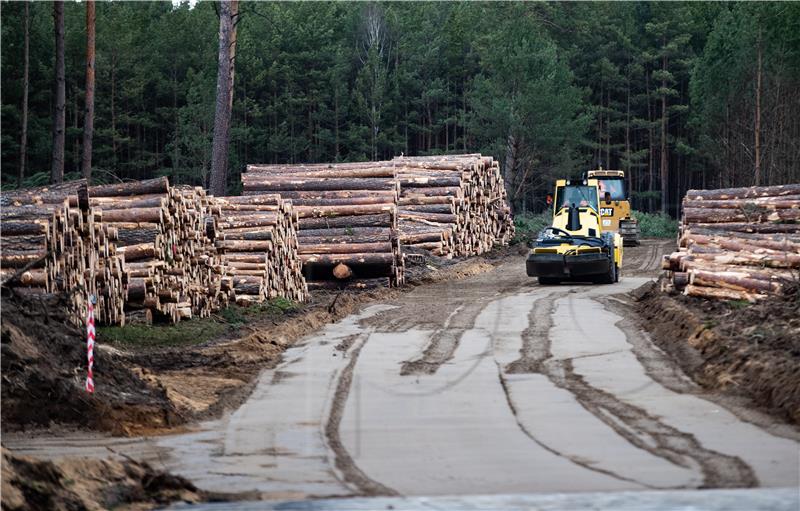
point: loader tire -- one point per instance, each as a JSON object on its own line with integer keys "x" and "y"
{"x": 610, "y": 276}
{"x": 549, "y": 281}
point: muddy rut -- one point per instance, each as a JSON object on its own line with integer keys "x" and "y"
{"x": 491, "y": 384}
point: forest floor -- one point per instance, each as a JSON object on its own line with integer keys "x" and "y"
{"x": 260, "y": 370}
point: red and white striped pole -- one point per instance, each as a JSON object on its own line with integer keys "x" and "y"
{"x": 90, "y": 333}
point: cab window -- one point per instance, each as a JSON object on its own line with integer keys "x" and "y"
{"x": 581, "y": 196}
{"x": 615, "y": 187}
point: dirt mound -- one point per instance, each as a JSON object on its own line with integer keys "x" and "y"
{"x": 44, "y": 370}
{"x": 751, "y": 350}
{"x": 82, "y": 483}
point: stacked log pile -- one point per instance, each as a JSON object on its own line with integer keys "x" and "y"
{"x": 453, "y": 205}
{"x": 256, "y": 237}
{"x": 145, "y": 249}
{"x": 53, "y": 241}
{"x": 347, "y": 219}
{"x": 738, "y": 243}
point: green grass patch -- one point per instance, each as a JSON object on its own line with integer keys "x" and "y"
{"x": 528, "y": 226}
{"x": 738, "y": 304}
{"x": 656, "y": 225}
{"x": 195, "y": 331}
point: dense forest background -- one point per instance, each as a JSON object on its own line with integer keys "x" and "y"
{"x": 676, "y": 94}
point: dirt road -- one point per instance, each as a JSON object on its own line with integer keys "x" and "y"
{"x": 491, "y": 384}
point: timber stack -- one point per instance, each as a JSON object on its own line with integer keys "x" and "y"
{"x": 737, "y": 243}
{"x": 53, "y": 241}
{"x": 257, "y": 240}
{"x": 146, "y": 250}
{"x": 453, "y": 205}
{"x": 347, "y": 220}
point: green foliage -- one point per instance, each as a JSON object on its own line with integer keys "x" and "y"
{"x": 528, "y": 226}
{"x": 196, "y": 331}
{"x": 656, "y": 225}
{"x": 549, "y": 89}
{"x": 738, "y": 304}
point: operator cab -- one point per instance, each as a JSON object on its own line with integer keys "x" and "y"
{"x": 582, "y": 196}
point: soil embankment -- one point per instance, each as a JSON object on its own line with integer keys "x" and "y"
{"x": 81, "y": 483}
{"x": 750, "y": 350}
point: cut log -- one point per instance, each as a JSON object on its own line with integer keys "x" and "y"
{"x": 732, "y": 280}
{"x": 149, "y": 186}
{"x": 349, "y": 259}
{"x": 722, "y": 294}
{"x": 744, "y": 193}
{"x": 342, "y": 271}
{"x": 345, "y": 248}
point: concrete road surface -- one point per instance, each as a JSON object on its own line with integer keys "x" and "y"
{"x": 488, "y": 385}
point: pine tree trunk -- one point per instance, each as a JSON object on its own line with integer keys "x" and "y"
{"x": 651, "y": 152}
{"x": 176, "y": 149}
{"x": 76, "y": 142}
{"x": 113, "y": 111}
{"x": 628, "y": 140}
{"x": 608, "y": 130}
{"x": 59, "y": 117}
{"x": 336, "y": 125}
{"x": 757, "y": 177}
{"x": 664, "y": 161}
{"x": 228, "y": 13}
{"x": 88, "y": 123}
{"x": 23, "y": 144}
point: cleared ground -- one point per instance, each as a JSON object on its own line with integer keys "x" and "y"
{"x": 487, "y": 385}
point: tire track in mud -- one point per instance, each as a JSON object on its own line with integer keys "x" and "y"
{"x": 632, "y": 423}
{"x": 444, "y": 341}
{"x": 573, "y": 459}
{"x": 648, "y": 260}
{"x": 347, "y": 469}
{"x": 532, "y": 356}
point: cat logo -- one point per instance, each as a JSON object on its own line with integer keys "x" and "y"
{"x": 606, "y": 211}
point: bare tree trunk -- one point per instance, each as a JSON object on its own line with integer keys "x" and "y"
{"x": 628, "y": 140}
{"x": 228, "y": 14}
{"x": 23, "y": 144}
{"x": 651, "y": 152}
{"x": 76, "y": 142}
{"x": 59, "y": 118}
{"x": 608, "y": 130}
{"x": 113, "y": 111}
{"x": 757, "y": 177}
{"x": 336, "y": 124}
{"x": 88, "y": 122}
{"x": 664, "y": 160}
{"x": 176, "y": 149}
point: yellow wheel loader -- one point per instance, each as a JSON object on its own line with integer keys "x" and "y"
{"x": 576, "y": 247}
{"x": 615, "y": 208}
